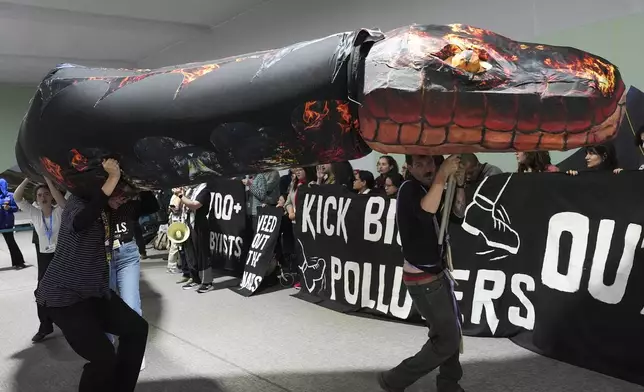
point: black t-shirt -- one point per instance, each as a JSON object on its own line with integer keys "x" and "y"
{"x": 199, "y": 218}
{"x": 418, "y": 229}
{"x": 127, "y": 216}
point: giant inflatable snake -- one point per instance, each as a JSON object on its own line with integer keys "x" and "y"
{"x": 432, "y": 89}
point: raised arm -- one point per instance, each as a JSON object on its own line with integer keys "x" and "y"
{"x": 19, "y": 197}
{"x": 60, "y": 199}
{"x": 86, "y": 216}
{"x": 432, "y": 200}
{"x": 19, "y": 194}
{"x": 458, "y": 208}
{"x": 289, "y": 206}
{"x": 193, "y": 205}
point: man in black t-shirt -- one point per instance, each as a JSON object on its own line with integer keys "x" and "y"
{"x": 419, "y": 203}
{"x": 197, "y": 247}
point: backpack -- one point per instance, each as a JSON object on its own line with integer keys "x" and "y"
{"x": 161, "y": 241}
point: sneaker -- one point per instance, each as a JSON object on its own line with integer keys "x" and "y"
{"x": 184, "y": 279}
{"x": 143, "y": 364}
{"x": 297, "y": 286}
{"x": 143, "y": 256}
{"x": 206, "y": 287}
{"x": 190, "y": 285}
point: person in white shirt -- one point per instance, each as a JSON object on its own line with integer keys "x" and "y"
{"x": 45, "y": 217}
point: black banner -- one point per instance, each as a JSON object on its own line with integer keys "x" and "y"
{"x": 262, "y": 249}
{"x": 552, "y": 261}
{"x": 228, "y": 225}
{"x": 557, "y": 260}
{"x": 351, "y": 251}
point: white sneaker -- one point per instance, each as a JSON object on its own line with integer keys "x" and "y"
{"x": 143, "y": 364}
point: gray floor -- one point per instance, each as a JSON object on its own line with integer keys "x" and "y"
{"x": 221, "y": 341}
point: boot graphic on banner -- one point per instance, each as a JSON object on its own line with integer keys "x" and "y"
{"x": 484, "y": 216}
{"x": 313, "y": 270}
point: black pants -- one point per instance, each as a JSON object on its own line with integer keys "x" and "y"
{"x": 197, "y": 249}
{"x": 201, "y": 242}
{"x": 435, "y": 302}
{"x": 46, "y": 324}
{"x": 14, "y": 250}
{"x": 85, "y": 325}
{"x": 188, "y": 257}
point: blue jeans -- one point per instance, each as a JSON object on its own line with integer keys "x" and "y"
{"x": 125, "y": 271}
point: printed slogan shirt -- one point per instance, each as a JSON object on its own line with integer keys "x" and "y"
{"x": 126, "y": 217}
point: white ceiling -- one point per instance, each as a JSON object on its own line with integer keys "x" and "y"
{"x": 38, "y": 34}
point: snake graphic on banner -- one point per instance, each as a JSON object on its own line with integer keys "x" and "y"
{"x": 434, "y": 89}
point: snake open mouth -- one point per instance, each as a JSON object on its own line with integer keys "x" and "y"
{"x": 454, "y": 89}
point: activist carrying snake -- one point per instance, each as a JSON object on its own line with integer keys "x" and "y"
{"x": 434, "y": 89}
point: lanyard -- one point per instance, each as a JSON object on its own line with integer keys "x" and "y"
{"x": 49, "y": 231}
{"x": 108, "y": 236}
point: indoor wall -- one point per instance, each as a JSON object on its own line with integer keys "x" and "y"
{"x": 608, "y": 29}
{"x": 14, "y": 101}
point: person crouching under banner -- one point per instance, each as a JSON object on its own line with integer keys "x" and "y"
{"x": 76, "y": 294}
{"x": 426, "y": 274}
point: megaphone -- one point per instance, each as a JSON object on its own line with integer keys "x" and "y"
{"x": 178, "y": 232}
